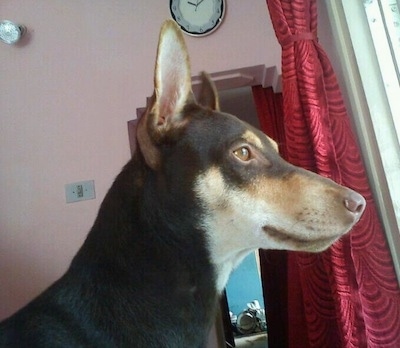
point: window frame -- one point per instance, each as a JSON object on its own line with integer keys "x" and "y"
{"x": 370, "y": 112}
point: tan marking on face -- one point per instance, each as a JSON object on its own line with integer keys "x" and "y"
{"x": 232, "y": 222}
{"x": 252, "y": 138}
{"x": 226, "y": 223}
{"x": 300, "y": 211}
{"x": 307, "y": 212}
{"x": 274, "y": 144}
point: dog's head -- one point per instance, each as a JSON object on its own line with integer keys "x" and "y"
{"x": 249, "y": 196}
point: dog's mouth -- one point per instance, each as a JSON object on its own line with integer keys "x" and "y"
{"x": 299, "y": 243}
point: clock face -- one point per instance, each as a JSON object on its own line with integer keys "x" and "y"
{"x": 198, "y": 17}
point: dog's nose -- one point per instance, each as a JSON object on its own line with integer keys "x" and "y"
{"x": 354, "y": 202}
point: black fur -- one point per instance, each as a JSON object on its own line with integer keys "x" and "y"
{"x": 143, "y": 277}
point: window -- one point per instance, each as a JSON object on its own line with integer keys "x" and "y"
{"x": 367, "y": 35}
{"x": 384, "y": 24}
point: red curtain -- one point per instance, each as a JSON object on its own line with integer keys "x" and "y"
{"x": 349, "y": 295}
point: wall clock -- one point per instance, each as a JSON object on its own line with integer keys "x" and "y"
{"x": 198, "y": 17}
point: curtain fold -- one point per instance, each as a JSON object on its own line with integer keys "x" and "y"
{"x": 349, "y": 294}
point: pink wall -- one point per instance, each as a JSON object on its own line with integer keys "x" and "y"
{"x": 65, "y": 98}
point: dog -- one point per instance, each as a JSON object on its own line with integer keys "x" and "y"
{"x": 202, "y": 190}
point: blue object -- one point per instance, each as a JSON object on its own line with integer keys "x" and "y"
{"x": 244, "y": 286}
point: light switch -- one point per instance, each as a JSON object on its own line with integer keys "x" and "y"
{"x": 80, "y": 191}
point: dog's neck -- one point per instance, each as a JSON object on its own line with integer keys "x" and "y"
{"x": 225, "y": 265}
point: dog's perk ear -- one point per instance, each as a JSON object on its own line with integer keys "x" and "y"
{"x": 208, "y": 96}
{"x": 172, "y": 90}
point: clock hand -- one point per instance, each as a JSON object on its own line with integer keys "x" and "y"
{"x": 198, "y": 2}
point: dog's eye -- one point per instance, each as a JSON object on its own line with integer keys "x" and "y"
{"x": 243, "y": 153}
